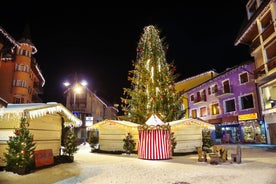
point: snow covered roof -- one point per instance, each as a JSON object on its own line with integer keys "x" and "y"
{"x": 112, "y": 122}
{"x": 154, "y": 120}
{"x": 36, "y": 110}
{"x": 189, "y": 121}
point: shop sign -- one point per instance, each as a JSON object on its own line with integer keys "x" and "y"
{"x": 89, "y": 121}
{"x": 43, "y": 157}
{"x": 247, "y": 116}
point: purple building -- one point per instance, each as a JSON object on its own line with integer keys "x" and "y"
{"x": 230, "y": 102}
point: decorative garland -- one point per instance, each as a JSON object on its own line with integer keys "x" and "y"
{"x": 153, "y": 127}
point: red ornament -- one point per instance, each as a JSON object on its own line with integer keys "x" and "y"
{"x": 17, "y": 132}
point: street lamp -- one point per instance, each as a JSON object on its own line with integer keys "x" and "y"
{"x": 77, "y": 87}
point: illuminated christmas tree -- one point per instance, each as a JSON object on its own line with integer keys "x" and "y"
{"x": 152, "y": 88}
{"x": 20, "y": 151}
{"x": 129, "y": 143}
{"x": 70, "y": 143}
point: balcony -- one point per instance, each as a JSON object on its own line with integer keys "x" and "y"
{"x": 200, "y": 99}
{"x": 268, "y": 31}
{"x": 223, "y": 93}
{"x": 271, "y": 64}
{"x": 259, "y": 71}
{"x": 255, "y": 44}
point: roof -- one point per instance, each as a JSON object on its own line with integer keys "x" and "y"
{"x": 36, "y": 110}
{"x": 111, "y": 122}
{"x": 189, "y": 121}
{"x": 213, "y": 71}
{"x": 154, "y": 120}
{"x": 228, "y": 70}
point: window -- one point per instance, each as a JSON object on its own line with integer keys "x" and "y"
{"x": 251, "y": 8}
{"x": 194, "y": 113}
{"x": 198, "y": 97}
{"x": 203, "y": 111}
{"x": 244, "y": 77}
{"x": 226, "y": 86}
{"x": 269, "y": 95}
{"x": 192, "y": 98}
{"x": 247, "y": 102}
{"x": 203, "y": 95}
{"x": 20, "y": 83}
{"x": 215, "y": 109}
{"x": 209, "y": 90}
{"x": 230, "y": 105}
{"x": 17, "y": 100}
{"x": 22, "y": 67}
{"x": 214, "y": 89}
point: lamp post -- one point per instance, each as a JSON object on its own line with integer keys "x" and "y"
{"x": 75, "y": 88}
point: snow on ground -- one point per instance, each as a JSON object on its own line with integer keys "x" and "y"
{"x": 258, "y": 167}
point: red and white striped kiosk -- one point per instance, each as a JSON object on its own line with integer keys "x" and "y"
{"x": 154, "y": 140}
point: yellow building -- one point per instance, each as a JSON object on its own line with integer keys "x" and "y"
{"x": 189, "y": 83}
{"x": 20, "y": 77}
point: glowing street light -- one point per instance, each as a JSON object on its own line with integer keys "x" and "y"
{"x": 76, "y": 87}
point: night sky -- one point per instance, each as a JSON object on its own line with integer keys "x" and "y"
{"x": 99, "y": 44}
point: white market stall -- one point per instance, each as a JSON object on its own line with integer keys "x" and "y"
{"x": 45, "y": 124}
{"x": 112, "y": 133}
{"x": 188, "y": 134}
{"x": 154, "y": 140}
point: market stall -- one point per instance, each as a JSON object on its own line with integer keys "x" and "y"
{"x": 188, "y": 134}
{"x": 45, "y": 124}
{"x": 112, "y": 132}
{"x": 154, "y": 140}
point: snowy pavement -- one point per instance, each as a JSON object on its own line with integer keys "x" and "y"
{"x": 258, "y": 166}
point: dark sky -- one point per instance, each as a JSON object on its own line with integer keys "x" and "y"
{"x": 100, "y": 43}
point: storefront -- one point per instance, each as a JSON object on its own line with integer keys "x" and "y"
{"x": 241, "y": 129}
{"x": 252, "y": 131}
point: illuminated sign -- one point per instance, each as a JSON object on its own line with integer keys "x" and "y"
{"x": 88, "y": 120}
{"x": 247, "y": 116}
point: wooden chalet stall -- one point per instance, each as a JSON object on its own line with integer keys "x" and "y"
{"x": 188, "y": 134}
{"x": 112, "y": 133}
{"x": 45, "y": 124}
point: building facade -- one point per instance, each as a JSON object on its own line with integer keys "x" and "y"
{"x": 259, "y": 34}
{"x": 88, "y": 107}
{"x": 229, "y": 101}
{"x": 188, "y": 83}
{"x": 20, "y": 76}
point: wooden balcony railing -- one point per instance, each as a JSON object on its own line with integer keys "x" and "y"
{"x": 259, "y": 71}
{"x": 271, "y": 64}
{"x": 268, "y": 31}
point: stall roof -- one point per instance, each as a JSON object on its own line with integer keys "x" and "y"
{"x": 107, "y": 121}
{"x": 36, "y": 110}
{"x": 198, "y": 122}
{"x": 154, "y": 120}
